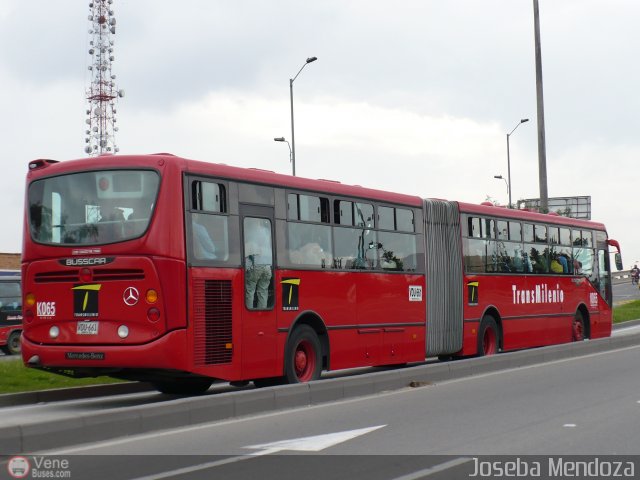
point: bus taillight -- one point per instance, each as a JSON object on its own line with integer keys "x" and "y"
{"x": 153, "y": 314}
{"x": 85, "y": 275}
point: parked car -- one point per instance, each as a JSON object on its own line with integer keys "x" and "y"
{"x": 10, "y": 313}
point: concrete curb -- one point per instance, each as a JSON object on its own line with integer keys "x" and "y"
{"x": 628, "y": 323}
{"x": 107, "y": 424}
{"x": 74, "y": 393}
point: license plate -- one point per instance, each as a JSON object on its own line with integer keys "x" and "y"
{"x": 87, "y": 328}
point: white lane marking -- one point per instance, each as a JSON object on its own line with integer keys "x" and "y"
{"x": 252, "y": 418}
{"x": 624, "y": 331}
{"x": 532, "y": 366}
{"x": 193, "y": 468}
{"x": 569, "y": 425}
{"x": 314, "y": 443}
{"x": 435, "y": 469}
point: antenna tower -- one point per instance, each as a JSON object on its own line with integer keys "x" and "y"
{"x": 102, "y": 94}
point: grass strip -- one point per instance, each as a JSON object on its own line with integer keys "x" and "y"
{"x": 627, "y": 311}
{"x": 18, "y": 378}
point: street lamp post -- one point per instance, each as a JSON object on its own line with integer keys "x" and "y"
{"x": 500, "y": 177}
{"x": 509, "y": 159}
{"x": 282, "y": 139}
{"x": 293, "y": 138}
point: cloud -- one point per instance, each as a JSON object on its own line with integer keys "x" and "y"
{"x": 352, "y": 142}
{"x": 414, "y": 96}
{"x": 40, "y": 122}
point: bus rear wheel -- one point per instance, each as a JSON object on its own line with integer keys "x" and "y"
{"x": 183, "y": 386}
{"x": 578, "y": 327}
{"x": 303, "y": 356}
{"x": 488, "y": 337}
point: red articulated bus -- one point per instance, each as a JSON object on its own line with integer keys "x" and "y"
{"x": 182, "y": 272}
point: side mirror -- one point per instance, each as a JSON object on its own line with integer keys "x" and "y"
{"x": 618, "y": 258}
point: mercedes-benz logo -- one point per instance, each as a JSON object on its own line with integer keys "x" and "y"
{"x": 130, "y": 296}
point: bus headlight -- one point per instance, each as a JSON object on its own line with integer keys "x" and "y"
{"x": 54, "y": 332}
{"x": 123, "y": 331}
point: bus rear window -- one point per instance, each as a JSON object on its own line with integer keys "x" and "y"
{"x": 92, "y": 208}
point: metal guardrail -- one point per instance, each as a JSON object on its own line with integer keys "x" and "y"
{"x": 623, "y": 276}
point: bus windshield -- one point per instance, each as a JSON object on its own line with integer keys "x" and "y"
{"x": 92, "y": 208}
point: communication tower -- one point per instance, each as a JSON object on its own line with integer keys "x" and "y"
{"x": 102, "y": 94}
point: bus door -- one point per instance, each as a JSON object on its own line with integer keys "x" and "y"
{"x": 259, "y": 329}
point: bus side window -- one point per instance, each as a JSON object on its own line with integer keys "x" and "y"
{"x": 475, "y": 229}
{"x": 397, "y": 251}
{"x": 209, "y": 229}
{"x": 258, "y": 252}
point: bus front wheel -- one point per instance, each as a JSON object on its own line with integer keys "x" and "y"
{"x": 578, "y": 327}
{"x": 488, "y": 337}
{"x": 303, "y": 356}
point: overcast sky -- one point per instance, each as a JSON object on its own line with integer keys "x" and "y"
{"x": 408, "y": 96}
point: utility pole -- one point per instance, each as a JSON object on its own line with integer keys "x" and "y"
{"x": 542, "y": 149}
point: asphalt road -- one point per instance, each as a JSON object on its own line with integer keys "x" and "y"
{"x": 587, "y": 405}
{"x": 580, "y": 406}
{"x": 625, "y": 291}
{"x": 23, "y": 414}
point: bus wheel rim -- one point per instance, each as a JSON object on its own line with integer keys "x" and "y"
{"x": 578, "y": 333}
{"x": 14, "y": 343}
{"x": 304, "y": 361}
{"x": 489, "y": 342}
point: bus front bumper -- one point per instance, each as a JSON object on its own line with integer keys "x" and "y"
{"x": 153, "y": 355}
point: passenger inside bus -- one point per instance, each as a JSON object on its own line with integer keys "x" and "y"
{"x": 113, "y": 220}
{"x": 203, "y": 246}
{"x": 560, "y": 264}
{"x": 258, "y": 263}
{"x": 555, "y": 266}
{"x": 137, "y": 214}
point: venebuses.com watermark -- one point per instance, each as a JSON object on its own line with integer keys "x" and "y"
{"x": 38, "y": 467}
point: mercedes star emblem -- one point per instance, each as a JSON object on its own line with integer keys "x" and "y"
{"x": 131, "y": 296}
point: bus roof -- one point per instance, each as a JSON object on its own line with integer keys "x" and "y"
{"x": 220, "y": 170}
{"x": 516, "y": 214}
{"x": 258, "y": 176}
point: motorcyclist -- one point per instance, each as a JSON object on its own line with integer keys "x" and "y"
{"x": 635, "y": 274}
